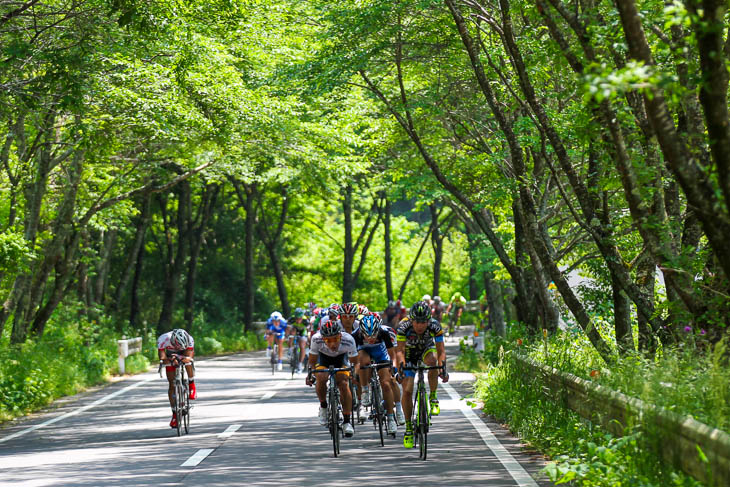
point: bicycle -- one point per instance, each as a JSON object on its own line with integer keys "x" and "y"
{"x": 294, "y": 352}
{"x": 181, "y": 393}
{"x": 334, "y": 407}
{"x": 355, "y": 389}
{"x": 421, "y": 416}
{"x": 377, "y": 406}
{"x": 274, "y": 359}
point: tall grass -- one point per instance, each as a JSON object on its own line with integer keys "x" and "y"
{"x": 686, "y": 380}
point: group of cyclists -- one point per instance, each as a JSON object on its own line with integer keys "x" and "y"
{"x": 349, "y": 335}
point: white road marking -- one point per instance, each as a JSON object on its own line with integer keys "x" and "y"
{"x": 512, "y": 466}
{"x": 77, "y": 411}
{"x": 198, "y": 457}
{"x": 229, "y": 431}
{"x": 268, "y": 395}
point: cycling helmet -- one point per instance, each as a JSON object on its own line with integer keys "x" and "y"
{"x": 362, "y": 309}
{"x": 420, "y": 311}
{"x": 276, "y": 316}
{"x": 349, "y": 309}
{"x": 370, "y": 324}
{"x": 329, "y": 328}
{"x": 391, "y": 304}
{"x": 334, "y": 311}
{"x": 298, "y": 313}
{"x": 426, "y": 298}
{"x": 437, "y": 299}
{"x": 179, "y": 339}
{"x": 323, "y": 312}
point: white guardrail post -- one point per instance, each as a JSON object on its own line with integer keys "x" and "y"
{"x": 126, "y": 348}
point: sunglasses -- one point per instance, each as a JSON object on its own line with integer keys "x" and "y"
{"x": 347, "y": 315}
{"x": 329, "y": 340}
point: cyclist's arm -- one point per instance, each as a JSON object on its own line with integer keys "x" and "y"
{"x": 441, "y": 353}
{"x": 392, "y": 352}
{"x": 400, "y": 352}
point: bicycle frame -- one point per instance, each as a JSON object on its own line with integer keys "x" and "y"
{"x": 421, "y": 413}
{"x": 181, "y": 394}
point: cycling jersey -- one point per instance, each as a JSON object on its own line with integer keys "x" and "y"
{"x": 347, "y": 346}
{"x": 437, "y": 310}
{"x": 378, "y": 351}
{"x": 391, "y": 316}
{"x": 300, "y": 329}
{"x": 163, "y": 343}
{"x": 415, "y": 343}
{"x": 279, "y": 329}
{"x": 457, "y": 301}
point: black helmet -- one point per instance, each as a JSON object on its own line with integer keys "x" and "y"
{"x": 420, "y": 311}
{"x": 329, "y": 328}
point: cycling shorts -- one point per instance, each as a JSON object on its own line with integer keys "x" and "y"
{"x": 279, "y": 335}
{"x": 413, "y": 358}
{"x": 378, "y": 353}
{"x": 338, "y": 362}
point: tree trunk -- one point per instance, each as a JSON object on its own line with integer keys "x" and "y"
{"x": 142, "y": 223}
{"x": 387, "y": 256}
{"x": 197, "y": 235}
{"x": 437, "y": 242}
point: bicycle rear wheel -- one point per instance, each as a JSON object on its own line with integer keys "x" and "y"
{"x": 294, "y": 358}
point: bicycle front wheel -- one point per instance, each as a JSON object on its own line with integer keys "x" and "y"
{"x": 186, "y": 412}
{"x": 422, "y": 424}
{"x": 377, "y": 404}
{"x": 334, "y": 421}
{"x": 179, "y": 406}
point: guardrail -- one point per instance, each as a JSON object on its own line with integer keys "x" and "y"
{"x": 679, "y": 438}
{"x": 127, "y": 347}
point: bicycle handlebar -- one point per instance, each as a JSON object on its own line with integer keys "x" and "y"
{"x": 424, "y": 367}
{"x": 378, "y": 366}
{"x": 332, "y": 369}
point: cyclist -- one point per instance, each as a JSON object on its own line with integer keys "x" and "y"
{"x": 297, "y": 330}
{"x": 376, "y": 343}
{"x": 454, "y": 310}
{"x": 275, "y": 330}
{"x": 391, "y": 315}
{"x": 172, "y": 346}
{"x": 420, "y": 338}
{"x": 437, "y": 308}
{"x": 348, "y": 313}
{"x": 331, "y": 345}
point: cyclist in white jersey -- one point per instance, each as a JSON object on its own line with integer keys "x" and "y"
{"x": 170, "y": 345}
{"x": 332, "y": 346}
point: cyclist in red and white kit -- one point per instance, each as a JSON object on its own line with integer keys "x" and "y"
{"x": 175, "y": 345}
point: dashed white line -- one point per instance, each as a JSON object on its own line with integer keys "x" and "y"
{"x": 229, "y": 431}
{"x": 198, "y": 457}
{"x": 512, "y": 466}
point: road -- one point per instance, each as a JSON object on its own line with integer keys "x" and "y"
{"x": 248, "y": 427}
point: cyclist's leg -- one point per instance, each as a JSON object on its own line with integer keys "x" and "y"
{"x": 170, "y": 373}
{"x": 429, "y": 358}
{"x": 387, "y": 391}
{"x": 345, "y": 393}
{"x": 302, "y": 348}
{"x": 280, "y": 342}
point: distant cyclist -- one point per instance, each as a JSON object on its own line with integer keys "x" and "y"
{"x": 454, "y": 310}
{"x": 331, "y": 345}
{"x": 437, "y": 309}
{"x": 173, "y": 346}
{"x": 275, "y": 330}
{"x": 420, "y": 339}
{"x": 297, "y": 330}
{"x": 391, "y": 315}
{"x": 348, "y": 313}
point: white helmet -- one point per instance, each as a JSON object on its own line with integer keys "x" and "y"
{"x": 426, "y": 297}
{"x": 437, "y": 298}
{"x": 276, "y": 316}
{"x": 179, "y": 339}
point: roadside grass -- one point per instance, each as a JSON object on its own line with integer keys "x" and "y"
{"x": 685, "y": 380}
{"x": 75, "y": 353}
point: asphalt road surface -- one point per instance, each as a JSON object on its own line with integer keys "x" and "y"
{"x": 249, "y": 427}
